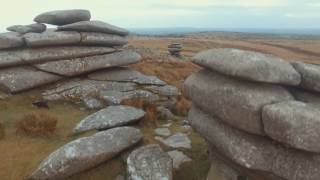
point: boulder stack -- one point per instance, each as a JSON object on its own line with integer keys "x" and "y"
{"x": 257, "y": 113}
{"x": 175, "y": 49}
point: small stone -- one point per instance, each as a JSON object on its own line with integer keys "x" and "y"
{"x": 23, "y": 29}
{"x": 178, "y": 140}
{"x": 178, "y": 158}
{"x": 166, "y": 125}
{"x": 162, "y": 132}
{"x": 63, "y": 17}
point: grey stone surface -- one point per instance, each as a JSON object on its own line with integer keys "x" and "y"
{"x": 294, "y": 123}
{"x": 178, "y": 158}
{"x": 162, "y": 132}
{"x": 94, "y": 26}
{"x": 255, "y": 152}
{"x": 149, "y": 163}
{"x": 113, "y": 97}
{"x": 178, "y": 140}
{"x": 86, "y": 153}
{"x": 23, "y": 29}
{"x": 92, "y": 103}
{"x": 110, "y": 117}
{"x": 92, "y": 38}
{"x": 51, "y": 38}
{"x": 76, "y": 66}
{"x": 22, "y": 78}
{"x": 44, "y": 54}
{"x": 249, "y": 65}
{"x": 123, "y": 74}
{"x": 235, "y": 102}
{"x": 63, "y": 17}
{"x": 166, "y": 90}
{"x": 310, "y": 75}
{"x": 306, "y": 96}
{"x": 10, "y": 40}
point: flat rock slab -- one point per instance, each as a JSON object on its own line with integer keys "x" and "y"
{"x": 112, "y": 97}
{"x": 178, "y": 140}
{"x": 94, "y": 26}
{"x": 294, "y": 123}
{"x": 52, "y": 38}
{"x": 23, "y": 29}
{"x": 63, "y": 17}
{"x": 44, "y": 54}
{"x": 310, "y": 75}
{"x": 249, "y": 65}
{"x": 235, "y": 102}
{"x": 83, "y": 65}
{"x": 22, "y": 78}
{"x": 162, "y": 132}
{"x": 10, "y": 40}
{"x": 86, "y": 153}
{"x": 178, "y": 158}
{"x": 110, "y": 117}
{"x": 123, "y": 74}
{"x": 166, "y": 90}
{"x": 111, "y": 40}
{"x": 78, "y": 89}
{"x": 149, "y": 163}
{"x": 255, "y": 152}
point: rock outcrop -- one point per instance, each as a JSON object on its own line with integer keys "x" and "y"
{"x": 254, "y": 112}
{"x": 175, "y": 49}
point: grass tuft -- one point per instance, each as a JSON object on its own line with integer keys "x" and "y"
{"x": 37, "y": 123}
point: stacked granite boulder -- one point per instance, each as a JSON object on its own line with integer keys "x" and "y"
{"x": 258, "y": 113}
{"x": 175, "y": 49}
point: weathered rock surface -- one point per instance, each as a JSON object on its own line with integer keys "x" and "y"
{"x": 310, "y": 75}
{"x": 306, "y": 96}
{"x": 178, "y": 158}
{"x": 10, "y": 40}
{"x": 249, "y": 65}
{"x": 63, "y": 17}
{"x": 91, "y": 38}
{"x": 23, "y": 29}
{"x": 235, "y": 102}
{"x": 94, "y": 26}
{"x": 294, "y": 123}
{"x": 178, "y": 140}
{"x": 87, "y": 152}
{"x": 162, "y": 132}
{"x": 255, "y": 152}
{"x": 123, "y": 74}
{"x": 22, "y": 78}
{"x": 51, "y": 38}
{"x": 92, "y": 103}
{"x": 149, "y": 163}
{"x": 166, "y": 90}
{"x": 44, "y": 54}
{"x": 112, "y": 97}
{"x": 82, "y": 65}
{"x": 110, "y": 117}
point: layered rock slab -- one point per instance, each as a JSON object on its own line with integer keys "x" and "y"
{"x": 112, "y": 116}
{"x": 86, "y": 153}
{"x": 293, "y": 123}
{"x": 238, "y": 103}
{"x": 82, "y": 65}
{"x": 90, "y": 38}
{"x": 17, "y": 79}
{"x": 94, "y": 26}
{"x": 255, "y": 152}
{"x": 23, "y": 29}
{"x": 310, "y": 75}
{"x": 249, "y": 65}
{"x": 149, "y": 162}
{"x": 10, "y": 40}
{"x": 63, "y": 17}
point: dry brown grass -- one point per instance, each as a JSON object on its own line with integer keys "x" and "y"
{"x": 182, "y": 107}
{"x": 37, "y": 123}
{"x": 2, "y": 131}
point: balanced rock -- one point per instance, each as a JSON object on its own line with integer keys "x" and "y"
{"x": 238, "y": 103}
{"x": 249, "y": 65}
{"x": 149, "y": 163}
{"x": 255, "y": 152}
{"x": 90, "y": 38}
{"x": 294, "y": 123}
{"x": 110, "y": 117}
{"x": 310, "y": 75}
{"x": 44, "y": 54}
{"x": 82, "y": 65}
{"x": 94, "y": 26}
{"x": 63, "y": 17}
{"x": 10, "y": 40}
{"x": 123, "y": 74}
{"x": 23, "y": 29}
{"x": 22, "y": 78}
{"x": 52, "y": 38}
{"x": 175, "y": 49}
{"x": 86, "y": 153}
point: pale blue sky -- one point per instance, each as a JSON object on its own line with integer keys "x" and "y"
{"x": 176, "y": 13}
